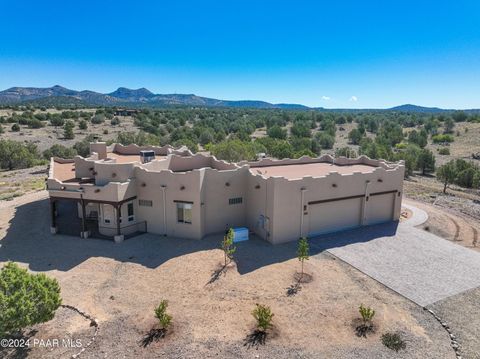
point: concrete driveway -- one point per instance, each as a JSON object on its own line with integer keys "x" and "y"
{"x": 418, "y": 265}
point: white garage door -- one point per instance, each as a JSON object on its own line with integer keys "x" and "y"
{"x": 380, "y": 208}
{"x": 334, "y": 216}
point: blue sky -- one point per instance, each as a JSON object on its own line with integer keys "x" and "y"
{"x": 357, "y": 54}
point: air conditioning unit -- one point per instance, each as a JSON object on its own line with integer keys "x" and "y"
{"x": 147, "y": 156}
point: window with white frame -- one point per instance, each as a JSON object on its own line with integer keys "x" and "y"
{"x": 184, "y": 212}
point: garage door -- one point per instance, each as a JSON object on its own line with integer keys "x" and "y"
{"x": 334, "y": 216}
{"x": 380, "y": 208}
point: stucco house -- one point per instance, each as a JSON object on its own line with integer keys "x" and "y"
{"x": 121, "y": 190}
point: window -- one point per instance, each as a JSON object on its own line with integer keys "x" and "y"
{"x": 237, "y": 200}
{"x": 131, "y": 216}
{"x": 184, "y": 212}
{"x": 145, "y": 203}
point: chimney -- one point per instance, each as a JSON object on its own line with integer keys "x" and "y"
{"x": 100, "y": 148}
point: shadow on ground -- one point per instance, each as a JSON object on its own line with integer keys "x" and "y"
{"x": 28, "y": 240}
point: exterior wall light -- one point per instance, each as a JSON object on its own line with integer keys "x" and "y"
{"x": 257, "y": 186}
{"x": 182, "y": 188}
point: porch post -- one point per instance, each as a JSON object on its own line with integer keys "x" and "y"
{"x": 84, "y": 233}
{"x": 117, "y": 215}
{"x": 119, "y": 237}
{"x": 53, "y": 210}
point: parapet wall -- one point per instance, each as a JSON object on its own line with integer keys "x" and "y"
{"x": 134, "y": 149}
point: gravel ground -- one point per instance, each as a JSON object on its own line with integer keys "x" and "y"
{"x": 121, "y": 284}
{"x": 461, "y": 312}
{"x": 413, "y": 262}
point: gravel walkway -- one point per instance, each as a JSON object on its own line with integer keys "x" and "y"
{"x": 418, "y": 265}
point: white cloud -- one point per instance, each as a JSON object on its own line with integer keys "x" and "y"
{"x": 353, "y": 99}
{"x": 326, "y": 98}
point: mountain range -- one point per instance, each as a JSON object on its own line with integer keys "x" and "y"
{"x": 142, "y": 97}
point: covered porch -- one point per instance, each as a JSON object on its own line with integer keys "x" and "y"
{"x": 95, "y": 218}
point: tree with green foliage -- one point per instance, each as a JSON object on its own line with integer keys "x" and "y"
{"x": 277, "y": 132}
{"x": 263, "y": 316}
{"x": 447, "y": 174}
{"x": 234, "y": 151}
{"x": 345, "y": 152}
{"x": 16, "y": 155}
{"x": 83, "y": 147}
{"x": 418, "y": 138}
{"x": 68, "y": 130}
{"x": 161, "y": 314}
{"x": 355, "y": 136}
{"x": 303, "y": 252}
{"x": 325, "y": 140}
{"x": 25, "y": 299}
{"x": 459, "y": 116}
{"x": 426, "y": 161}
{"x": 448, "y": 125}
{"x": 227, "y": 246}
{"x": 59, "y": 151}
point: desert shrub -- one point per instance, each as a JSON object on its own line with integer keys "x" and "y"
{"x": 115, "y": 121}
{"x": 367, "y": 314}
{"x": 98, "y": 119}
{"x": 105, "y": 132}
{"x": 35, "y": 123}
{"x": 82, "y": 124}
{"x": 263, "y": 315}
{"x": 444, "y": 151}
{"x": 57, "y": 121}
{"x": 15, "y": 127}
{"x": 393, "y": 341}
{"x": 442, "y": 138}
{"x": 161, "y": 314}
{"x": 26, "y": 299}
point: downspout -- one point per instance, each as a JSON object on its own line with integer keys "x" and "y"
{"x": 164, "y": 188}
{"x": 365, "y": 199}
{"x": 302, "y": 190}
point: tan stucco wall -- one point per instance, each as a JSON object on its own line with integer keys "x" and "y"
{"x": 276, "y": 200}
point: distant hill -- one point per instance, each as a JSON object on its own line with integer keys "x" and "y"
{"x": 415, "y": 108}
{"x": 58, "y": 95}
{"x": 142, "y": 97}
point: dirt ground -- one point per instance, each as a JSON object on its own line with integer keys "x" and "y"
{"x": 454, "y": 216}
{"x": 120, "y": 284}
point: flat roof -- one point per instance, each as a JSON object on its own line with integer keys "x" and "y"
{"x": 121, "y": 158}
{"x": 64, "y": 171}
{"x": 300, "y": 170}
